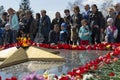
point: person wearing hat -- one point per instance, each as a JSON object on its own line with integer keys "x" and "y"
{"x": 63, "y": 33}
{"x": 7, "y": 35}
{"x": 111, "y": 31}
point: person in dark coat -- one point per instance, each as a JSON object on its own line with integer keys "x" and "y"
{"x": 63, "y": 33}
{"x": 4, "y": 19}
{"x": 76, "y": 24}
{"x": 96, "y": 24}
{"x": 1, "y": 37}
{"x": 45, "y": 25}
{"x": 7, "y": 34}
{"x": 30, "y": 25}
{"x": 67, "y": 20}
{"x": 54, "y": 35}
{"x": 117, "y": 20}
{"x": 21, "y": 24}
{"x": 37, "y": 18}
{"x": 39, "y": 37}
{"x": 57, "y": 20}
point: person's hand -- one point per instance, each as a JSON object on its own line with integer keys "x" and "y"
{"x": 86, "y": 34}
{"x": 21, "y": 23}
{"x": 106, "y": 38}
{"x": 102, "y": 30}
{"x": 52, "y": 44}
{"x": 96, "y": 26}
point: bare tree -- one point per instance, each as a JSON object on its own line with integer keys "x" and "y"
{"x": 102, "y": 4}
{"x": 76, "y": 3}
{"x": 25, "y": 5}
{"x": 105, "y": 5}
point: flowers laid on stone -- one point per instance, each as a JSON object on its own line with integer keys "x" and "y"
{"x": 105, "y": 67}
{"x": 27, "y": 42}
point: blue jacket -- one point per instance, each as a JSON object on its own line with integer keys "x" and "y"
{"x": 84, "y": 33}
{"x": 86, "y": 14}
{"x": 54, "y": 37}
{"x": 14, "y": 22}
{"x": 63, "y": 36}
{"x": 45, "y": 25}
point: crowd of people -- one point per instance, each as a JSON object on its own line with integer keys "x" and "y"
{"x": 88, "y": 27}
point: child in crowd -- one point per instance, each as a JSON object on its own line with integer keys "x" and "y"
{"x": 84, "y": 33}
{"x": 54, "y": 34}
{"x": 111, "y": 31}
{"x": 7, "y": 35}
{"x": 63, "y": 33}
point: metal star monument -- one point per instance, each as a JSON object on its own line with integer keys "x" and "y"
{"x": 16, "y": 61}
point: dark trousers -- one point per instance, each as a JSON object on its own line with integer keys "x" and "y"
{"x": 95, "y": 35}
{"x": 14, "y": 36}
{"x": 45, "y": 40}
{"x": 32, "y": 36}
{"x": 1, "y": 41}
{"x": 118, "y": 38}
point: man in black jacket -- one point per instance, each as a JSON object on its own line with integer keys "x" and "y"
{"x": 67, "y": 19}
{"x": 96, "y": 24}
{"x": 117, "y": 20}
{"x": 54, "y": 35}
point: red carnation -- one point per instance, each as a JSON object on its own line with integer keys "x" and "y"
{"x": 81, "y": 48}
{"x": 13, "y": 78}
{"x": 116, "y": 53}
{"x": 64, "y": 78}
{"x": 66, "y": 46}
{"x": 0, "y": 78}
{"x": 95, "y": 67}
{"x": 7, "y": 79}
{"x": 34, "y": 44}
{"x": 56, "y": 76}
{"x": 71, "y": 73}
{"x": 89, "y": 47}
{"x": 111, "y": 74}
{"x": 107, "y": 61}
{"x": 53, "y": 46}
{"x": 94, "y": 47}
{"x": 59, "y": 46}
{"x": 115, "y": 59}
